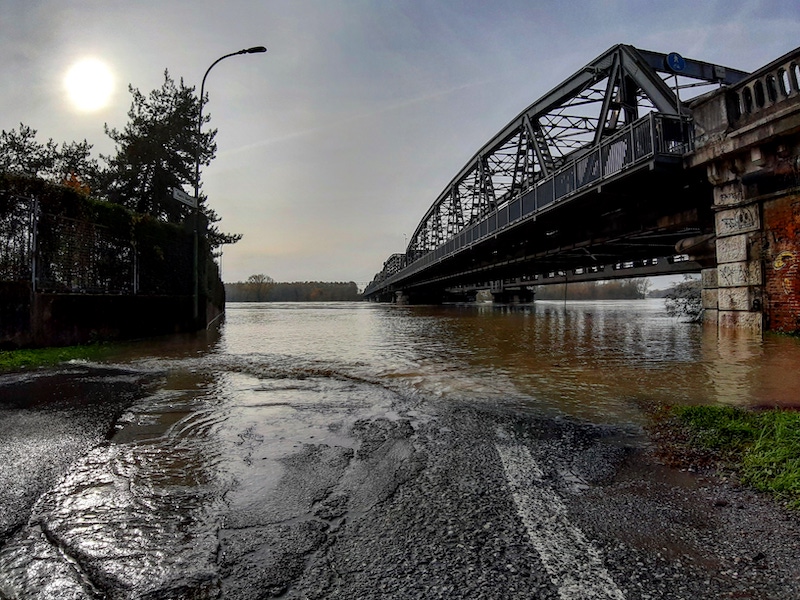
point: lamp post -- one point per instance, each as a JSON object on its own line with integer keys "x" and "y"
{"x": 196, "y": 277}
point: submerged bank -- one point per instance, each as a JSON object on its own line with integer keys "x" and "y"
{"x": 762, "y": 447}
{"x": 17, "y": 360}
{"x": 237, "y": 480}
{"x": 349, "y": 450}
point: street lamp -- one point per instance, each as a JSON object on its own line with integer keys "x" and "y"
{"x": 198, "y": 151}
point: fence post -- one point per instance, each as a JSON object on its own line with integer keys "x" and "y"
{"x": 135, "y": 269}
{"x": 34, "y": 245}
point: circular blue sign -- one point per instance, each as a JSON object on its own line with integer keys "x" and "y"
{"x": 676, "y": 62}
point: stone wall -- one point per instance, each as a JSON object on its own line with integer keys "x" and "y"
{"x": 37, "y": 320}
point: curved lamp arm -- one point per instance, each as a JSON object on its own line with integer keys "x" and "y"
{"x": 253, "y": 50}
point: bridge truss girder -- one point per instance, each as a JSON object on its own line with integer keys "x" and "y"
{"x": 614, "y": 224}
{"x": 609, "y": 93}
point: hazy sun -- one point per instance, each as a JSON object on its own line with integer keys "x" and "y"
{"x": 89, "y": 84}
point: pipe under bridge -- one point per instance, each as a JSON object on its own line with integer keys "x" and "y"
{"x": 586, "y": 183}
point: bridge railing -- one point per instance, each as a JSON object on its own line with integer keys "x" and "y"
{"x": 773, "y": 84}
{"x": 656, "y": 136}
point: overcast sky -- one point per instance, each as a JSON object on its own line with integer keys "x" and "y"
{"x": 334, "y": 143}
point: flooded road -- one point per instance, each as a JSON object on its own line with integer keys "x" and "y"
{"x": 365, "y": 451}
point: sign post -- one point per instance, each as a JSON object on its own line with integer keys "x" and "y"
{"x": 677, "y": 64}
{"x": 191, "y": 201}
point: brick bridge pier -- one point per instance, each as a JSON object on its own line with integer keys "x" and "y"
{"x": 748, "y": 140}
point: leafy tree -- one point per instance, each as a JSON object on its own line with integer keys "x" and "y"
{"x": 685, "y": 300}
{"x": 259, "y": 286}
{"x": 157, "y": 150}
{"x": 21, "y": 154}
{"x": 74, "y": 166}
{"x": 70, "y": 164}
{"x": 621, "y": 289}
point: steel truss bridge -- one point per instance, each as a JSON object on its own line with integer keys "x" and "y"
{"x": 586, "y": 183}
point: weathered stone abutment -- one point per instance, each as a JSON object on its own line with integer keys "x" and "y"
{"x": 748, "y": 140}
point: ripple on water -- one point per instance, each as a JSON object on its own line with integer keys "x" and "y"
{"x": 143, "y": 514}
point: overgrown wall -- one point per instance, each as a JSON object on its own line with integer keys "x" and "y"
{"x": 101, "y": 271}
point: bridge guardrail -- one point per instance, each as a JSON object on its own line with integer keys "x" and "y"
{"x": 771, "y": 85}
{"x": 654, "y": 135}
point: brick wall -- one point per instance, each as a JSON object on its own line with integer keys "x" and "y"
{"x": 782, "y": 263}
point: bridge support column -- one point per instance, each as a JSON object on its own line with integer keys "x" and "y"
{"x": 427, "y": 297}
{"x": 750, "y": 151}
{"x": 737, "y": 282}
{"x": 516, "y": 296}
{"x": 756, "y": 283}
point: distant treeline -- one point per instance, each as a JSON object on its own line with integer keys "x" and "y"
{"x": 306, "y": 291}
{"x": 620, "y": 289}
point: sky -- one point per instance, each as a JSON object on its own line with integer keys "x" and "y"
{"x": 334, "y": 143}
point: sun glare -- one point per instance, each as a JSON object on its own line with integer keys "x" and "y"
{"x": 89, "y": 84}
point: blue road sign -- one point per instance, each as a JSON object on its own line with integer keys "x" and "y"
{"x": 676, "y": 62}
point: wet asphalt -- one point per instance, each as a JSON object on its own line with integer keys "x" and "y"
{"x": 408, "y": 498}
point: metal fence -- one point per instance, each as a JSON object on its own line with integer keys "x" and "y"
{"x": 58, "y": 254}
{"x": 16, "y": 238}
{"x": 75, "y": 256}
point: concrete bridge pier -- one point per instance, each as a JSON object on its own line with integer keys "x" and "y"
{"x": 734, "y": 290}
{"x": 433, "y": 297}
{"x": 522, "y": 295}
{"x": 756, "y": 282}
{"x": 758, "y": 242}
{"x": 748, "y": 141}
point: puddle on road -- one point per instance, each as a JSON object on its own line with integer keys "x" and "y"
{"x": 144, "y": 512}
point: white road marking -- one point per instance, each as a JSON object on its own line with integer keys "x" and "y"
{"x": 574, "y": 565}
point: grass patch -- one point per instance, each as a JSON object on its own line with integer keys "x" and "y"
{"x": 763, "y": 446}
{"x": 17, "y": 360}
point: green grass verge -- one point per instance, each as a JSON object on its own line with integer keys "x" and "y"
{"x": 763, "y": 446}
{"x": 16, "y": 360}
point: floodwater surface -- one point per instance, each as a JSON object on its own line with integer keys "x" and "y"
{"x": 236, "y": 429}
{"x": 594, "y": 360}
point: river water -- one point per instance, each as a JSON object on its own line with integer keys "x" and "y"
{"x": 225, "y": 420}
{"x": 600, "y": 361}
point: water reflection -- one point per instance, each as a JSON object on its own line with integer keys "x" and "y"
{"x": 596, "y": 360}
{"x": 751, "y": 371}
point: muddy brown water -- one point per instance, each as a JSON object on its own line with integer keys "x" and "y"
{"x": 217, "y": 414}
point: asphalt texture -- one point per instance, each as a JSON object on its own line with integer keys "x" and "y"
{"x": 421, "y": 499}
{"x": 47, "y": 421}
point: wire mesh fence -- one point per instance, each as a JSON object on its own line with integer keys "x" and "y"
{"x": 16, "y": 238}
{"x": 75, "y": 256}
{"x": 61, "y": 254}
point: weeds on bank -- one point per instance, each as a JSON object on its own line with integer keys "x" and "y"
{"x": 763, "y": 446}
{"x": 16, "y": 360}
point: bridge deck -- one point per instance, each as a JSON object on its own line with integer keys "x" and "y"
{"x": 589, "y": 186}
{"x": 590, "y": 174}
